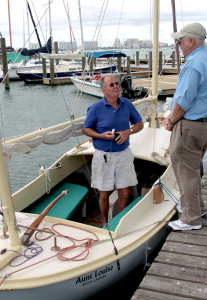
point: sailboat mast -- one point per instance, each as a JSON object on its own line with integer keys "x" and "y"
{"x": 155, "y": 58}
{"x": 9, "y": 25}
{"x": 28, "y": 23}
{"x": 35, "y": 27}
{"x": 50, "y": 25}
{"x": 23, "y": 30}
{"x": 155, "y": 47}
{"x": 70, "y": 30}
{"x": 81, "y": 24}
{"x": 8, "y": 211}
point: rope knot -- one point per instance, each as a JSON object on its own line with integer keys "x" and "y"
{"x": 89, "y": 243}
{"x": 3, "y": 251}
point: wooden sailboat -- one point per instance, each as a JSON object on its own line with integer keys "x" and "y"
{"x": 70, "y": 257}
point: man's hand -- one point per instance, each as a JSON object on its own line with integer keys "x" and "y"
{"x": 108, "y": 135}
{"x": 168, "y": 126}
{"x": 123, "y": 136}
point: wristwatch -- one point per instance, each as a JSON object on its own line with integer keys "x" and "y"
{"x": 131, "y": 130}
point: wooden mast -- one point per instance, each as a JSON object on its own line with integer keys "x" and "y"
{"x": 9, "y": 25}
{"x": 8, "y": 211}
{"x": 155, "y": 58}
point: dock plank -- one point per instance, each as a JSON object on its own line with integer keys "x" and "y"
{"x": 179, "y": 273}
{"x": 152, "y": 295}
{"x": 183, "y": 260}
{"x": 175, "y": 287}
{"x": 198, "y": 237}
{"x": 187, "y": 249}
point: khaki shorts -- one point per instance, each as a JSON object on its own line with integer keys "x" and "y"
{"x": 115, "y": 170}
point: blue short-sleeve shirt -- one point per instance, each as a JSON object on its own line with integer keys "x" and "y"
{"x": 102, "y": 117}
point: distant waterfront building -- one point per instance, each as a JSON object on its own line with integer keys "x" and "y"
{"x": 136, "y": 46}
{"x": 131, "y": 42}
{"x": 34, "y": 45}
{"x": 66, "y": 46}
{"x": 146, "y": 44}
{"x": 117, "y": 43}
{"x": 89, "y": 45}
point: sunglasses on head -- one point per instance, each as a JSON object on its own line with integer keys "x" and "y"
{"x": 112, "y": 84}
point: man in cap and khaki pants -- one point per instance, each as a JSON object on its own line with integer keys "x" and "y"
{"x": 188, "y": 123}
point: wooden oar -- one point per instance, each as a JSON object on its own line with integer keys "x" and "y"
{"x": 28, "y": 234}
{"x": 88, "y": 140}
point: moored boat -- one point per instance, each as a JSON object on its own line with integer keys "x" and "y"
{"x": 89, "y": 258}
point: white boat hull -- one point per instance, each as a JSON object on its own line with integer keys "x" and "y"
{"x": 88, "y": 284}
{"x": 90, "y": 88}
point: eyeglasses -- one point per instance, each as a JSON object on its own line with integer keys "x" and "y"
{"x": 180, "y": 41}
{"x": 112, "y": 84}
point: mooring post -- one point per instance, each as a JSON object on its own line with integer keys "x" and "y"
{"x": 128, "y": 65}
{"x": 119, "y": 64}
{"x": 52, "y": 73}
{"x": 137, "y": 58}
{"x": 44, "y": 68}
{"x": 173, "y": 59}
{"x": 4, "y": 63}
{"x": 83, "y": 65}
{"x": 91, "y": 66}
{"x": 160, "y": 62}
{"x": 150, "y": 60}
{"x": 56, "y": 51}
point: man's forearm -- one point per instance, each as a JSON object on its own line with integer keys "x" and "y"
{"x": 177, "y": 113}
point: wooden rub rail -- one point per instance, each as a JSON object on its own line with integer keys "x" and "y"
{"x": 179, "y": 272}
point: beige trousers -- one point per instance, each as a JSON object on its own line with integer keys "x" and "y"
{"x": 187, "y": 147}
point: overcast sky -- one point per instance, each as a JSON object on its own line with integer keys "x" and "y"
{"x": 123, "y": 19}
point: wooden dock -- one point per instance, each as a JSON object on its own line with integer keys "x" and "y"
{"x": 59, "y": 80}
{"x": 166, "y": 84}
{"x": 166, "y": 69}
{"x": 179, "y": 272}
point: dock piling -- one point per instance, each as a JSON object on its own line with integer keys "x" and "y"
{"x": 4, "y": 63}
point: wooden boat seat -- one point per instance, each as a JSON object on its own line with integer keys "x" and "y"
{"x": 66, "y": 206}
{"x": 113, "y": 223}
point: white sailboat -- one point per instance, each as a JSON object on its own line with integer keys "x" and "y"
{"x": 89, "y": 258}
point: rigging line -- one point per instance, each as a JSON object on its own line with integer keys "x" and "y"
{"x": 83, "y": 72}
{"x": 70, "y": 27}
{"x": 2, "y": 131}
{"x": 93, "y": 47}
{"x": 120, "y": 19}
{"x": 38, "y": 20}
{"x": 181, "y": 8}
{"x": 25, "y": 44}
{"x": 77, "y": 99}
{"x": 128, "y": 233}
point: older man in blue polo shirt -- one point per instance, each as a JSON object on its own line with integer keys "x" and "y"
{"x": 107, "y": 122}
{"x": 188, "y": 123}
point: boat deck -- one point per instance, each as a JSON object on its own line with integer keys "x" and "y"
{"x": 180, "y": 269}
{"x": 95, "y": 219}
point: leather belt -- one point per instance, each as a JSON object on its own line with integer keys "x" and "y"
{"x": 198, "y": 120}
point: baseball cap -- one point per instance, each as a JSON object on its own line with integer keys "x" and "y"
{"x": 195, "y": 30}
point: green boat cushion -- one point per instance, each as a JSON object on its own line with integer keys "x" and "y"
{"x": 113, "y": 223}
{"x": 66, "y": 206}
